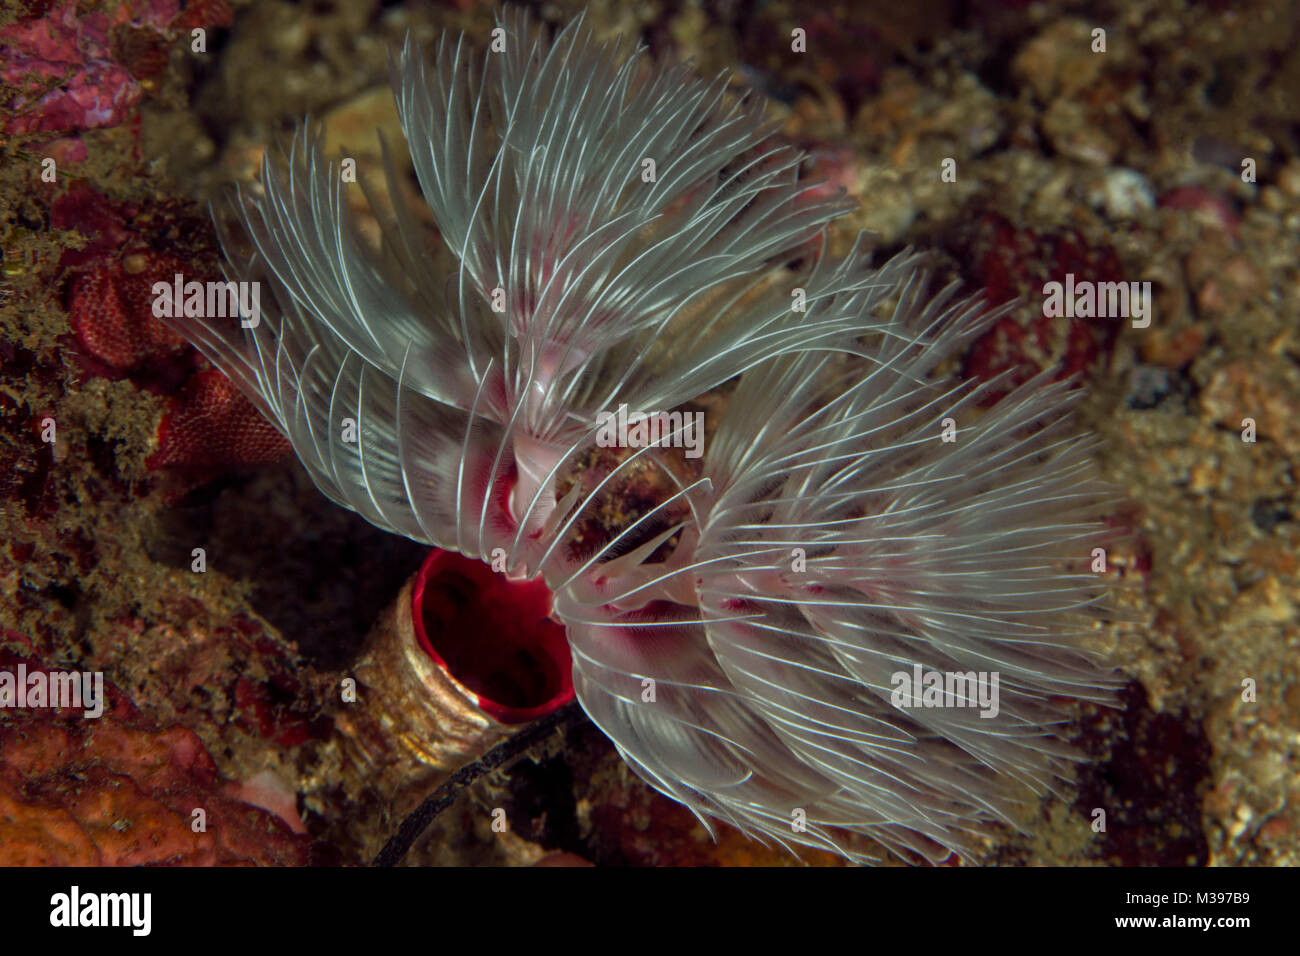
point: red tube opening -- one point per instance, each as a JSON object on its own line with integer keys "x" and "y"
{"x": 494, "y": 635}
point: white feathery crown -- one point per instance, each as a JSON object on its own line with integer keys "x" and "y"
{"x": 832, "y": 537}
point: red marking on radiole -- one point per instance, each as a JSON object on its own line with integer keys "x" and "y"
{"x": 494, "y": 635}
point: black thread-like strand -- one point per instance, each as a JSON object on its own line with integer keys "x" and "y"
{"x": 418, "y": 820}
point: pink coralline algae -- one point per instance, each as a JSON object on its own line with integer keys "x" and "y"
{"x": 76, "y": 68}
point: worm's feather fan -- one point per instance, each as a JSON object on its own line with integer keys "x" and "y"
{"x": 579, "y": 284}
{"x": 625, "y": 233}
{"x": 843, "y": 541}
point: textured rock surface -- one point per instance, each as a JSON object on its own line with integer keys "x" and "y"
{"x": 117, "y": 790}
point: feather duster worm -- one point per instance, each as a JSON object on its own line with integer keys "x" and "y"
{"x": 855, "y": 517}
